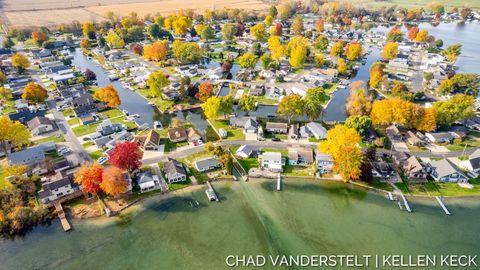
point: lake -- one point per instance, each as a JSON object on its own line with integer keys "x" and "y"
{"x": 306, "y": 217}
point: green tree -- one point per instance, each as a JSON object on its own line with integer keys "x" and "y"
{"x": 187, "y": 52}
{"x": 226, "y": 105}
{"x": 207, "y": 33}
{"x": 362, "y": 124}
{"x": 247, "y": 103}
{"x": 247, "y": 60}
{"x": 211, "y": 107}
{"x": 458, "y": 107}
{"x": 265, "y": 61}
{"x": 321, "y": 43}
{"x": 13, "y": 132}
{"x": 313, "y": 102}
{"x": 156, "y": 82}
{"x": 228, "y": 32}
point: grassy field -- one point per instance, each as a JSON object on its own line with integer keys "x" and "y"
{"x": 54, "y": 138}
{"x": 232, "y": 134}
{"x": 96, "y": 154}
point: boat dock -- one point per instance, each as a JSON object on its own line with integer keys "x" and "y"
{"x": 440, "y": 201}
{"x": 405, "y": 203}
{"x": 212, "y": 196}
{"x": 391, "y": 197}
{"x": 61, "y": 215}
{"x": 279, "y": 182}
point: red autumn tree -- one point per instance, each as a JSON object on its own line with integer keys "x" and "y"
{"x": 205, "y": 90}
{"x": 89, "y": 176}
{"x": 114, "y": 182}
{"x": 126, "y": 156}
{"x": 136, "y": 48}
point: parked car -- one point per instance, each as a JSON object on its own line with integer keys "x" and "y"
{"x": 102, "y": 160}
{"x": 275, "y": 140}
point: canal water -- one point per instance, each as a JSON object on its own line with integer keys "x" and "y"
{"x": 307, "y": 217}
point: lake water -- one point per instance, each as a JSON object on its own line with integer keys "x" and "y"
{"x": 306, "y": 217}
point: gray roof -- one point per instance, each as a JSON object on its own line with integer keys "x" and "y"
{"x": 39, "y": 120}
{"x": 240, "y": 121}
{"x": 207, "y": 163}
{"x": 172, "y": 167}
{"x": 251, "y": 124}
{"x": 273, "y": 125}
{"x": 412, "y": 165}
{"x": 444, "y": 167}
{"x": 145, "y": 177}
{"x": 247, "y": 149}
{"x": 317, "y": 130}
{"x": 27, "y": 156}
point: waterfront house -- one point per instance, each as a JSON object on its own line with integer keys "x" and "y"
{"x": 174, "y": 171}
{"x": 40, "y": 125}
{"x": 148, "y": 182}
{"x": 382, "y": 169}
{"x": 414, "y": 170}
{"x": 257, "y": 90}
{"x": 439, "y": 137}
{"x": 58, "y": 186}
{"x": 472, "y": 164}
{"x": 324, "y": 162}
{"x": 177, "y": 134}
{"x": 149, "y": 142}
{"x": 84, "y": 104}
{"x": 194, "y": 138}
{"x": 316, "y": 130}
{"x": 301, "y": 157}
{"x": 281, "y": 128}
{"x": 272, "y": 161}
{"x": 444, "y": 171}
{"x": 207, "y": 164}
{"x": 244, "y": 151}
{"x": 299, "y": 89}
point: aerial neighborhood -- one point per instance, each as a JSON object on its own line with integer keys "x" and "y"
{"x": 106, "y": 113}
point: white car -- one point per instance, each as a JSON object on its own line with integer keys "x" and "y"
{"x": 102, "y": 160}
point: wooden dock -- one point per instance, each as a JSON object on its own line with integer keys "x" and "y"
{"x": 405, "y": 202}
{"x": 440, "y": 201}
{"x": 63, "y": 218}
{"x": 279, "y": 182}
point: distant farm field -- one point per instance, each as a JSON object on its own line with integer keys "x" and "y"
{"x": 53, "y": 17}
{"x": 449, "y": 4}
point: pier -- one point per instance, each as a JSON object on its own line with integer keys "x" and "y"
{"x": 391, "y": 197}
{"x": 279, "y": 182}
{"x": 63, "y": 218}
{"x": 440, "y": 201}
{"x": 212, "y": 196}
{"x": 405, "y": 202}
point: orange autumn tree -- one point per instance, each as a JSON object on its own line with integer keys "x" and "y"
{"x": 412, "y": 33}
{"x": 38, "y": 38}
{"x": 205, "y": 90}
{"x": 85, "y": 44}
{"x": 114, "y": 182}
{"x": 376, "y": 74}
{"x": 156, "y": 51}
{"x": 89, "y": 176}
{"x": 34, "y": 93}
{"x": 343, "y": 144}
{"x": 319, "y": 25}
{"x": 109, "y": 96}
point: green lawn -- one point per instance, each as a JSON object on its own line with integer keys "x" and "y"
{"x": 96, "y": 154}
{"x": 162, "y": 105}
{"x": 290, "y": 170}
{"x": 249, "y": 163}
{"x": 87, "y": 144}
{"x": 74, "y": 121}
{"x": 175, "y": 186}
{"x": 171, "y": 146}
{"x": 266, "y": 101}
{"x": 458, "y": 146}
{"x": 54, "y": 138}
{"x": 85, "y": 129}
{"x": 270, "y": 135}
{"x": 110, "y": 113}
{"x": 232, "y": 133}
{"x": 67, "y": 112}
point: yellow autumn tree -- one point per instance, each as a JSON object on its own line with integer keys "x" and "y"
{"x": 156, "y": 51}
{"x": 400, "y": 111}
{"x": 277, "y": 50}
{"x": 109, "y": 96}
{"x": 390, "y": 51}
{"x": 353, "y": 51}
{"x": 429, "y": 120}
{"x": 341, "y": 66}
{"x": 258, "y": 31}
{"x": 114, "y": 182}
{"x": 343, "y": 144}
{"x": 422, "y": 36}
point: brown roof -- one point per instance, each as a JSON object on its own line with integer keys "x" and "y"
{"x": 39, "y": 120}
{"x": 177, "y": 133}
{"x": 412, "y": 165}
{"x": 193, "y": 134}
{"x": 152, "y": 137}
{"x": 276, "y": 125}
{"x": 295, "y": 154}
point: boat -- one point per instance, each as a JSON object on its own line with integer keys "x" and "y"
{"x": 136, "y": 115}
{"x": 125, "y": 112}
{"x": 157, "y": 125}
{"x": 211, "y": 195}
{"x": 113, "y": 77}
{"x": 151, "y": 103}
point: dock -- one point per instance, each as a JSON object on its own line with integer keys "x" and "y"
{"x": 212, "y": 196}
{"x": 405, "y": 202}
{"x": 440, "y": 201}
{"x": 279, "y": 182}
{"x": 391, "y": 197}
{"x": 63, "y": 218}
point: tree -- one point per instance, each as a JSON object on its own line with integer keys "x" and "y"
{"x": 187, "y": 52}
{"x": 268, "y": 20}
{"x": 114, "y": 40}
{"x": 395, "y": 35}
{"x": 390, "y": 51}
{"x": 5, "y": 94}
{"x": 452, "y": 52}
{"x": 319, "y": 25}
{"x": 207, "y": 33}
{"x": 376, "y": 74}
{"x": 205, "y": 91}
{"x": 353, "y": 51}
{"x": 313, "y": 102}
{"x": 136, "y": 48}
{"x": 88, "y": 29}
{"x": 272, "y": 11}
{"x": 154, "y": 31}
{"x": 319, "y": 60}
{"x": 258, "y": 31}
{"x": 400, "y": 89}
{"x": 226, "y": 105}
{"x": 181, "y": 24}
{"x": 321, "y": 43}
{"x": 247, "y": 103}
{"x": 422, "y": 36}
{"x": 342, "y": 143}
{"x": 358, "y": 103}
{"x": 13, "y": 133}
{"x": 85, "y": 44}
{"x": 211, "y": 107}
{"x": 458, "y": 107}
{"x": 290, "y": 107}
{"x": 342, "y": 66}
{"x": 109, "y": 96}
{"x": 446, "y": 87}
{"x": 429, "y": 120}
{"x": 247, "y": 60}
{"x": 412, "y": 33}
{"x": 15, "y": 170}
{"x": 228, "y": 32}
{"x": 265, "y": 61}
{"x": 89, "y": 75}
{"x": 156, "y": 82}
{"x": 297, "y": 25}
{"x": 114, "y": 182}
{"x": 436, "y": 8}
{"x": 20, "y": 62}
{"x": 466, "y": 83}
{"x": 277, "y": 50}
{"x": 38, "y": 38}
{"x": 156, "y": 51}
{"x": 362, "y": 124}
{"x": 126, "y": 156}
{"x": 89, "y": 177}
{"x": 337, "y": 49}
{"x": 298, "y": 56}
{"x": 34, "y": 93}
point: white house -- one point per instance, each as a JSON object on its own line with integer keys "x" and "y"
{"x": 272, "y": 161}
{"x": 444, "y": 171}
{"x": 244, "y": 151}
{"x": 148, "y": 182}
{"x": 57, "y": 186}
{"x": 299, "y": 89}
{"x": 472, "y": 164}
{"x": 40, "y": 125}
{"x": 207, "y": 164}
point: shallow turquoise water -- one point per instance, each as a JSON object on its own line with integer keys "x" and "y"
{"x": 306, "y": 217}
